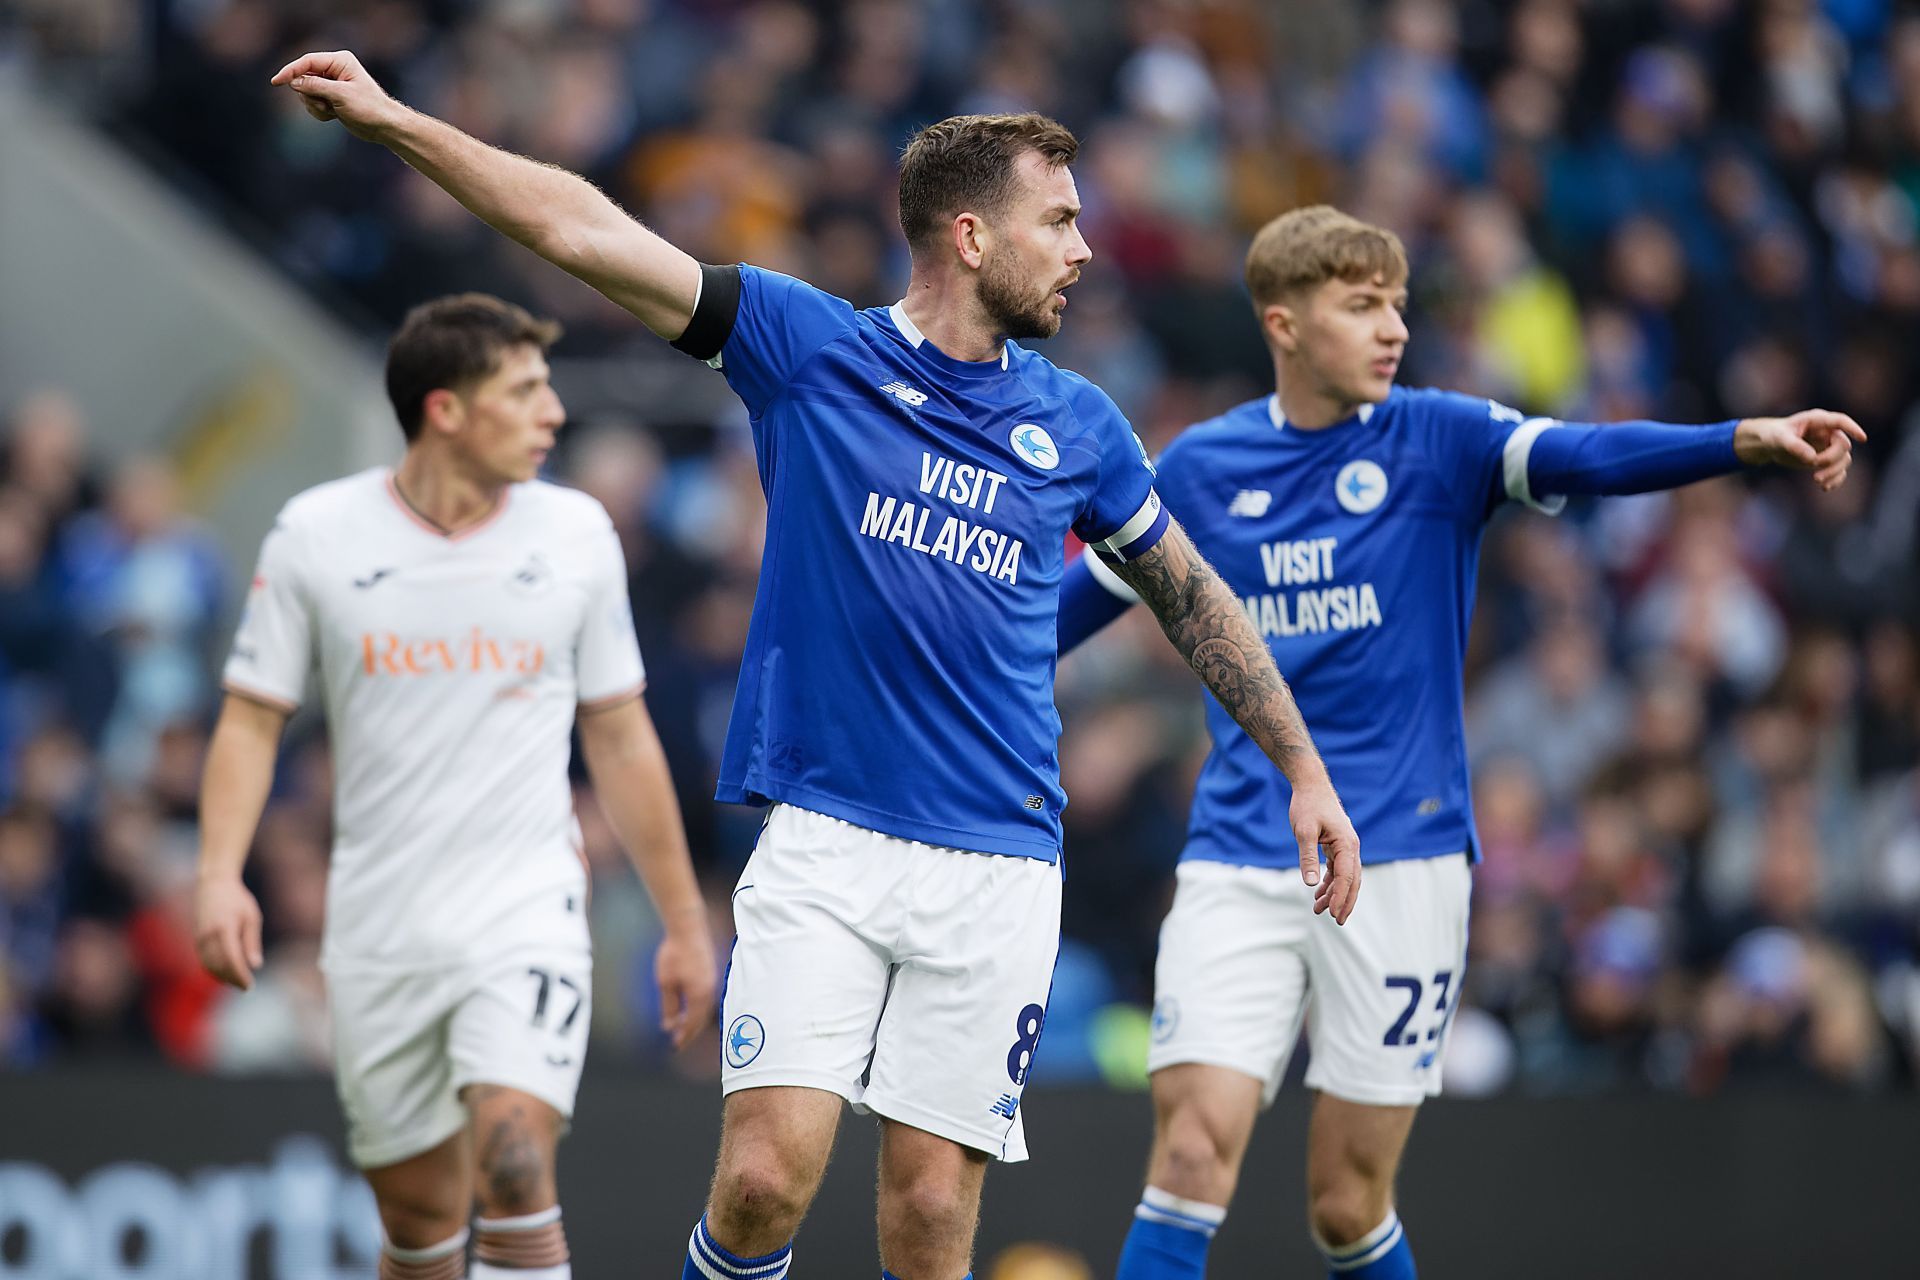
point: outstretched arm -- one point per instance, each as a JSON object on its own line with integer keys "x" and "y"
{"x": 559, "y": 215}
{"x": 1640, "y": 457}
{"x": 1206, "y": 623}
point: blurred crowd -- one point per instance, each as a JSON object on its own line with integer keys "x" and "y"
{"x": 1695, "y": 718}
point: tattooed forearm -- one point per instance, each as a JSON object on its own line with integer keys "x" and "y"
{"x": 1200, "y": 614}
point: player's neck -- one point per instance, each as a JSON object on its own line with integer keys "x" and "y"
{"x": 955, "y": 324}
{"x": 1307, "y": 407}
{"x": 443, "y": 493}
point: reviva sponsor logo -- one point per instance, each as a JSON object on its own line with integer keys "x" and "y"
{"x": 476, "y": 653}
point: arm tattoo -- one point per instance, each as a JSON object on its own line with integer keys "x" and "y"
{"x": 1206, "y": 623}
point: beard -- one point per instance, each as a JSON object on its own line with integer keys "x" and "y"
{"x": 1016, "y": 308}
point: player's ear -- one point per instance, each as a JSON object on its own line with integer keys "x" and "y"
{"x": 443, "y": 410}
{"x": 1281, "y": 326}
{"x": 970, "y": 239}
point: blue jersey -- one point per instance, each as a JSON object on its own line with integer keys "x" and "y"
{"x": 1354, "y": 550}
{"x": 898, "y": 672}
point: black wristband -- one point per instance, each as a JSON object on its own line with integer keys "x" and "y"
{"x": 713, "y": 315}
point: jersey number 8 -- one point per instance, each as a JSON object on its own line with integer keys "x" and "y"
{"x": 1020, "y": 1057}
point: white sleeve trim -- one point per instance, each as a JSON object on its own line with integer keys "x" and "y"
{"x": 1514, "y": 457}
{"x": 1107, "y": 578}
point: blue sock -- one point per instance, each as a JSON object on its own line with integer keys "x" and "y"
{"x": 1169, "y": 1238}
{"x": 706, "y": 1260}
{"x": 1381, "y": 1254}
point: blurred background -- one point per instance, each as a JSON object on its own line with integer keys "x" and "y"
{"x": 1695, "y": 718}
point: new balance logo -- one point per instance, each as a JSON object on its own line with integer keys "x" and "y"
{"x": 905, "y": 393}
{"x": 1007, "y": 1105}
{"x": 1250, "y": 503}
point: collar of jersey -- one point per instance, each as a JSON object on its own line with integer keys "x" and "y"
{"x": 938, "y": 358}
{"x": 427, "y": 526}
{"x": 1280, "y": 419}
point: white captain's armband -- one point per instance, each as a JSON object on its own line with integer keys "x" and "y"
{"x": 1137, "y": 535}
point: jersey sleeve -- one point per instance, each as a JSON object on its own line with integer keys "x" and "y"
{"x": 608, "y": 667}
{"x": 1629, "y": 457}
{"x": 1481, "y": 448}
{"x": 1122, "y": 517}
{"x": 779, "y": 322}
{"x": 273, "y": 645}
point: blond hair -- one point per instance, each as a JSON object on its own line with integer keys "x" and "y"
{"x": 1304, "y": 248}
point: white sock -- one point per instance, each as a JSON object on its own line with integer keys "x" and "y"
{"x": 532, "y": 1246}
{"x": 443, "y": 1261}
{"x": 1193, "y": 1215}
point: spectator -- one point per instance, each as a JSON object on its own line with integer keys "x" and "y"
{"x": 1705, "y": 605}
{"x": 1558, "y": 705}
{"x": 1784, "y": 1010}
{"x": 142, "y": 575}
{"x": 30, "y": 897}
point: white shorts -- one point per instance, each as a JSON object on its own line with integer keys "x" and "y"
{"x": 908, "y": 978}
{"x": 1243, "y": 960}
{"x": 405, "y": 1044}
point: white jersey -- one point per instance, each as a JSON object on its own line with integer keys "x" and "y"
{"x": 451, "y": 668}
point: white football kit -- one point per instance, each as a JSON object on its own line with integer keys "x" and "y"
{"x": 452, "y": 669}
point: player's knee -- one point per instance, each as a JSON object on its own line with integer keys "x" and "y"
{"x": 759, "y": 1193}
{"x": 930, "y": 1203}
{"x": 1343, "y": 1214}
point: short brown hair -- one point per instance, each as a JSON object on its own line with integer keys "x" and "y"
{"x": 451, "y": 343}
{"x": 966, "y": 162}
{"x": 1304, "y": 248}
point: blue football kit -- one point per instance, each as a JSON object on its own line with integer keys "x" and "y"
{"x": 897, "y": 924}
{"x": 1354, "y": 549}
{"x": 898, "y": 671}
